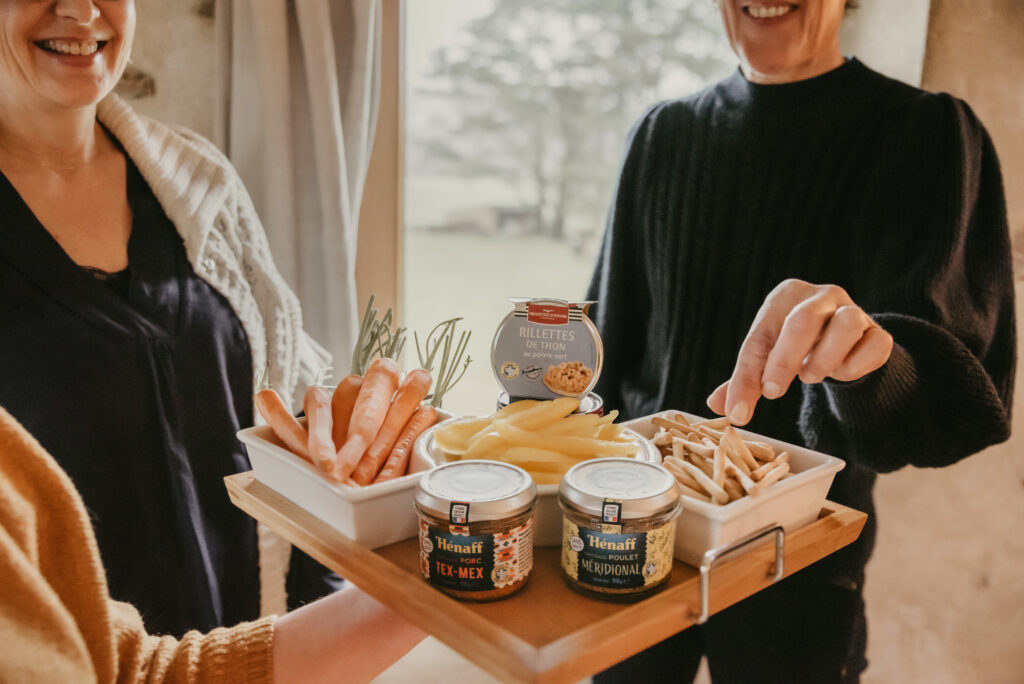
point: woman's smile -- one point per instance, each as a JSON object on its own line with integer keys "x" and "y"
{"x": 77, "y": 52}
{"x": 764, "y": 12}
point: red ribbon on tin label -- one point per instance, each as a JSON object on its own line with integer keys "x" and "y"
{"x": 547, "y": 314}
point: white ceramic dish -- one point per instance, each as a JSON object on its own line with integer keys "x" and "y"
{"x": 375, "y": 515}
{"x": 791, "y": 502}
{"x": 547, "y": 522}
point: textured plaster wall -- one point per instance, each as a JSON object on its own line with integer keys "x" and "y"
{"x": 945, "y": 590}
{"x": 175, "y": 48}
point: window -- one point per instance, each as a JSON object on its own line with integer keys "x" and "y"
{"x": 516, "y": 113}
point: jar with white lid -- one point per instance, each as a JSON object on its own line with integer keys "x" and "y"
{"x": 476, "y": 528}
{"x": 618, "y": 527}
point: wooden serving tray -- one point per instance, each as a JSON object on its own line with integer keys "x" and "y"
{"x": 546, "y": 632}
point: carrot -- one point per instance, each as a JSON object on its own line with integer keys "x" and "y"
{"x": 341, "y": 406}
{"x": 410, "y": 393}
{"x": 317, "y": 404}
{"x": 398, "y": 459}
{"x": 287, "y": 428}
{"x": 368, "y": 414}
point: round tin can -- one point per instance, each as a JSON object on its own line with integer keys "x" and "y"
{"x": 618, "y": 527}
{"x": 476, "y": 528}
{"x": 591, "y": 403}
{"x": 547, "y": 348}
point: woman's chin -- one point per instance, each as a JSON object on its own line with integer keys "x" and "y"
{"x": 77, "y": 95}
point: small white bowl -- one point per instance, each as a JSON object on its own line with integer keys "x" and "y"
{"x": 547, "y": 521}
{"x": 792, "y": 502}
{"x": 374, "y": 515}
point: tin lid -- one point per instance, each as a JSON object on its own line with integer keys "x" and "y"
{"x": 489, "y": 490}
{"x": 547, "y": 348}
{"x": 642, "y": 488}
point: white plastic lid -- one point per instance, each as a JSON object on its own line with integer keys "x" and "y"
{"x": 644, "y": 489}
{"x": 492, "y": 490}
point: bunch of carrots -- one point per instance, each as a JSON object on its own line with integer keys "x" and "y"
{"x": 362, "y": 431}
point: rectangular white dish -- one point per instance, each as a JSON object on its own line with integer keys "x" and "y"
{"x": 791, "y": 502}
{"x": 375, "y": 515}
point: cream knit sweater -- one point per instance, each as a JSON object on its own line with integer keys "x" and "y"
{"x": 204, "y": 197}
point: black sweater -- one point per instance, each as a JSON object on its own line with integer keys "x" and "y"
{"x": 849, "y": 178}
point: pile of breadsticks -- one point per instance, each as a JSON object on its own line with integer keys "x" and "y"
{"x": 712, "y": 463}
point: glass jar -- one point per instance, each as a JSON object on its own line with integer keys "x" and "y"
{"x": 618, "y": 527}
{"x": 476, "y": 528}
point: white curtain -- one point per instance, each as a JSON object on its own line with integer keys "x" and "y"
{"x": 301, "y": 80}
{"x": 300, "y": 83}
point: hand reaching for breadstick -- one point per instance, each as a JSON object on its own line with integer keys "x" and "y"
{"x": 806, "y": 330}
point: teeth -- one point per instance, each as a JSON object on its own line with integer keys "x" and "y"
{"x": 766, "y": 12}
{"x": 66, "y": 47}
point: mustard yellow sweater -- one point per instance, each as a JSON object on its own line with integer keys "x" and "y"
{"x": 57, "y": 620}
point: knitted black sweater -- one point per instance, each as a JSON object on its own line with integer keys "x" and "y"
{"x": 849, "y": 178}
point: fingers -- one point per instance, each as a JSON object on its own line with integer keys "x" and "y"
{"x": 716, "y": 400}
{"x": 745, "y": 384}
{"x": 869, "y": 354}
{"x": 843, "y": 331}
{"x": 805, "y": 330}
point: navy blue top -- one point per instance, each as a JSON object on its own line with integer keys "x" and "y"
{"x": 137, "y": 388}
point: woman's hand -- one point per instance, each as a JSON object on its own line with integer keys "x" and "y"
{"x": 814, "y": 331}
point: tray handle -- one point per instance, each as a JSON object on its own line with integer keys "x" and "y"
{"x": 712, "y": 556}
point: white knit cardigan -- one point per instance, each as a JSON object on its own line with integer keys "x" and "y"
{"x": 204, "y": 197}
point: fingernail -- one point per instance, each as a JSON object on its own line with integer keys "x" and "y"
{"x": 740, "y": 413}
{"x": 772, "y": 390}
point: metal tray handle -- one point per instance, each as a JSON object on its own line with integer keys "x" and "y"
{"x": 714, "y": 555}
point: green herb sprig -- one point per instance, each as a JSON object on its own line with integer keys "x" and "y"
{"x": 442, "y": 340}
{"x": 376, "y": 338}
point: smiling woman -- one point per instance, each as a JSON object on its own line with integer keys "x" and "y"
{"x": 779, "y": 42}
{"x": 844, "y": 236}
{"x": 137, "y": 301}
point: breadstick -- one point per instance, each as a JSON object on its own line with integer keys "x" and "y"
{"x": 772, "y": 475}
{"x": 736, "y": 459}
{"x": 718, "y": 466}
{"x": 698, "y": 448}
{"x": 671, "y": 463}
{"x": 714, "y": 423}
{"x": 712, "y": 434}
{"x": 731, "y": 488}
{"x": 745, "y": 481}
{"x": 702, "y": 463}
{"x": 736, "y": 444}
{"x": 760, "y": 450}
{"x": 757, "y": 474}
{"x": 671, "y": 425}
{"x": 686, "y": 490}
{"x": 718, "y": 495}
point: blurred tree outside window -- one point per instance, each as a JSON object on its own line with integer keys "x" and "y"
{"x": 516, "y": 115}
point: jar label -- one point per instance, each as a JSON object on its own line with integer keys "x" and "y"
{"x": 607, "y": 560}
{"x": 479, "y": 562}
{"x": 546, "y": 349}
